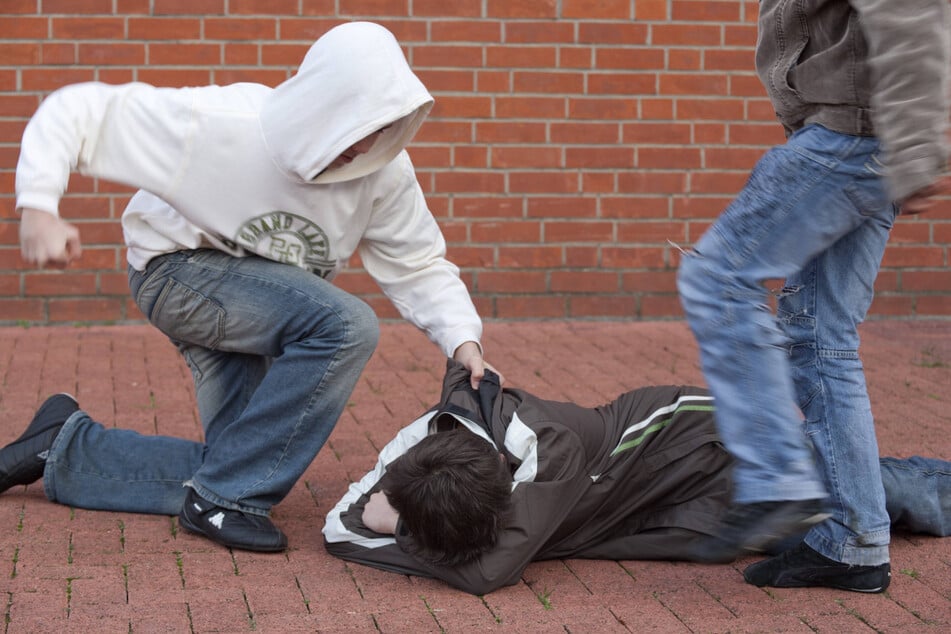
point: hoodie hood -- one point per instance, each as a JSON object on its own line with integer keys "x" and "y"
{"x": 353, "y": 81}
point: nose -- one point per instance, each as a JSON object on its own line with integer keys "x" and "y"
{"x": 362, "y": 146}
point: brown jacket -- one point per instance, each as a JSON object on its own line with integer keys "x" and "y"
{"x": 636, "y": 478}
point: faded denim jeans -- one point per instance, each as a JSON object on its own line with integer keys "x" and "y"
{"x": 275, "y": 352}
{"x": 814, "y": 213}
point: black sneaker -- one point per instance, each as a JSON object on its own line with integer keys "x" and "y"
{"x": 803, "y": 567}
{"x": 230, "y": 528}
{"x": 23, "y": 460}
{"x": 755, "y": 527}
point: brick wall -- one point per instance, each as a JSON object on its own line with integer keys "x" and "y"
{"x": 571, "y": 140}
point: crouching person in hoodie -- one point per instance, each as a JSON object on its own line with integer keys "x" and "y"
{"x": 250, "y": 200}
{"x": 491, "y": 480}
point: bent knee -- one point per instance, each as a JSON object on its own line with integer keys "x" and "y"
{"x": 363, "y": 327}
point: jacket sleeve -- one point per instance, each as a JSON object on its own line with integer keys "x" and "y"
{"x": 346, "y": 536}
{"x": 134, "y": 134}
{"x": 909, "y": 49}
{"x": 405, "y": 252}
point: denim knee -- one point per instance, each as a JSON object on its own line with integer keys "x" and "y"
{"x": 363, "y": 327}
{"x": 696, "y": 285}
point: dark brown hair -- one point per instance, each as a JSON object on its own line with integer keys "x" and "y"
{"x": 451, "y": 490}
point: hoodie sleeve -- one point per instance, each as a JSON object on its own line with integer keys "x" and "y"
{"x": 405, "y": 252}
{"x": 134, "y": 134}
{"x": 909, "y": 50}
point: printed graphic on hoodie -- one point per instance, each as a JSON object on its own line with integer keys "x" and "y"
{"x": 289, "y": 238}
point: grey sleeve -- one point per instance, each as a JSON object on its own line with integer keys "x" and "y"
{"x": 909, "y": 54}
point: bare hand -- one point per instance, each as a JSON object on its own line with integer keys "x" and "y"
{"x": 924, "y": 200}
{"x": 48, "y": 239}
{"x": 379, "y": 516}
{"x": 470, "y": 356}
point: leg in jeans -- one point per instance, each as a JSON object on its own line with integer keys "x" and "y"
{"x": 108, "y": 469}
{"x": 275, "y": 352}
{"x": 918, "y": 494}
{"x": 820, "y": 310}
{"x": 794, "y": 207}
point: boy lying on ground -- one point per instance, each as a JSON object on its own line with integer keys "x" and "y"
{"x": 490, "y": 480}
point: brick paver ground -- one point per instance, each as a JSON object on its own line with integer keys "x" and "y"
{"x": 64, "y": 569}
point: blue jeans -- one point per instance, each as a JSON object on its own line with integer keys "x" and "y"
{"x": 275, "y": 352}
{"x": 814, "y": 213}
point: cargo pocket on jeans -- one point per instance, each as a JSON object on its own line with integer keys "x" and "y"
{"x": 188, "y": 316}
{"x": 868, "y": 193}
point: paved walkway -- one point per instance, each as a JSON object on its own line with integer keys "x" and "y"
{"x": 71, "y": 570}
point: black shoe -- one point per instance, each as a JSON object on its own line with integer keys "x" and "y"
{"x": 755, "y": 527}
{"x": 23, "y": 460}
{"x": 230, "y": 528}
{"x": 802, "y": 567}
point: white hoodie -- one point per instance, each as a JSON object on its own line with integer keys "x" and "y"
{"x": 243, "y": 169}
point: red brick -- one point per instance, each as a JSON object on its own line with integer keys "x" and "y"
{"x": 584, "y": 282}
{"x": 920, "y": 256}
{"x": 532, "y": 307}
{"x": 111, "y": 54}
{"x": 487, "y": 207}
{"x": 240, "y": 29}
{"x": 649, "y": 282}
{"x": 265, "y": 7}
{"x": 933, "y": 305}
{"x": 443, "y": 9}
{"x": 520, "y": 56}
{"x": 613, "y": 32}
{"x": 669, "y": 158}
{"x": 939, "y": 281}
{"x": 19, "y": 53}
{"x": 511, "y": 282}
{"x": 547, "y": 81}
{"x": 456, "y": 56}
{"x": 559, "y": 181}
{"x": 522, "y": 8}
{"x": 526, "y": 156}
{"x": 685, "y": 35}
{"x": 505, "y": 232}
{"x": 654, "y": 306}
{"x": 164, "y": 28}
{"x": 17, "y": 309}
{"x": 650, "y": 9}
{"x": 579, "y": 231}
{"x": 651, "y": 232}
{"x": 189, "y": 7}
{"x": 597, "y": 9}
{"x": 90, "y": 7}
{"x": 684, "y": 59}
{"x": 551, "y": 207}
{"x": 632, "y": 257}
{"x": 621, "y": 83}
{"x": 510, "y": 132}
{"x": 582, "y": 257}
{"x": 86, "y": 28}
{"x": 45, "y": 284}
{"x": 95, "y": 309}
{"x": 707, "y": 10}
{"x": 602, "y": 306}
{"x": 530, "y": 257}
{"x": 530, "y": 107}
{"x": 528, "y": 32}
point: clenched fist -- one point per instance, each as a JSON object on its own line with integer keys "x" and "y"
{"x": 48, "y": 239}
